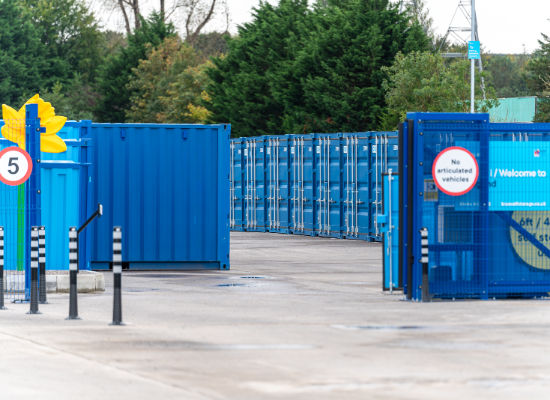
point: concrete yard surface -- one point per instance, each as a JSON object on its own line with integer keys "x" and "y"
{"x": 295, "y": 318}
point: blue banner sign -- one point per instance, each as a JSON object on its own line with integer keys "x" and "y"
{"x": 474, "y": 52}
{"x": 519, "y": 177}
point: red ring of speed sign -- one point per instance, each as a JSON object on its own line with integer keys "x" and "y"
{"x": 15, "y": 166}
{"x": 462, "y": 173}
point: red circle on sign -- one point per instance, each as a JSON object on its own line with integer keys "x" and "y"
{"x": 29, "y": 161}
{"x": 469, "y": 187}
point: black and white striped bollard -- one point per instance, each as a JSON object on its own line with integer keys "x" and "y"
{"x": 73, "y": 267}
{"x": 42, "y": 265}
{"x": 117, "y": 275}
{"x": 425, "y": 271}
{"x": 34, "y": 271}
{"x": 2, "y": 269}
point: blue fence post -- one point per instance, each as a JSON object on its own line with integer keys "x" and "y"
{"x": 32, "y": 194}
{"x": 484, "y": 207}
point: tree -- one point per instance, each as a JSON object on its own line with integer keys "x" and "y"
{"x": 507, "y": 75}
{"x": 241, "y": 90}
{"x": 114, "y": 74}
{"x": 421, "y": 82}
{"x": 22, "y": 56}
{"x": 340, "y": 65}
{"x": 211, "y": 44}
{"x": 74, "y": 100}
{"x": 539, "y": 67}
{"x": 71, "y": 35}
{"x": 166, "y": 83}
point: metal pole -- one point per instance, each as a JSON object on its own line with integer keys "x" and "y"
{"x": 117, "y": 276}
{"x": 425, "y": 272}
{"x": 34, "y": 271}
{"x": 2, "y": 269}
{"x": 42, "y": 264}
{"x": 73, "y": 269}
{"x": 473, "y": 62}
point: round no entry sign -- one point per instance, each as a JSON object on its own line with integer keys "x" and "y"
{"x": 455, "y": 171}
{"x": 15, "y": 166}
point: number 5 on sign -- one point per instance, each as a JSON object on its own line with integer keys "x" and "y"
{"x": 15, "y": 166}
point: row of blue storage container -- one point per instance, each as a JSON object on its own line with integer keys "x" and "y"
{"x": 317, "y": 184}
{"x": 165, "y": 185}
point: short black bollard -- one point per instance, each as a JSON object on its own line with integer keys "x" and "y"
{"x": 42, "y": 264}
{"x": 425, "y": 272}
{"x": 2, "y": 269}
{"x": 34, "y": 271}
{"x": 73, "y": 266}
{"x": 117, "y": 275}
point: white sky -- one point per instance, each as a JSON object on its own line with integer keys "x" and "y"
{"x": 504, "y": 25}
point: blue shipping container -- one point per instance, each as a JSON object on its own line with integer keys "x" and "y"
{"x": 167, "y": 186}
{"x": 316, "y": 184}
{"x": 65, "y": 196}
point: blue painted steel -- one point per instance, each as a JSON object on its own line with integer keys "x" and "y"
{"x": 388, "y": 221}
{"x": 167, "y": 186}
{"x": 316, "y": 184}
{"x": 476, "y": 249}
{"x": 64, "y": 196}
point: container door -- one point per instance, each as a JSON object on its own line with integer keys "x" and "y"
{"x": 283, "y": 187}
{"x": 309, "y": 187}
{"x": 237, "y": 185}
{"x": 363, "y": 212}
{"x": 258, "y": 185}
{"x": 334, "y": 187}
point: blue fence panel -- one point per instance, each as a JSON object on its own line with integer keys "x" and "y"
{"x": 388, "y": 220}
{"x": 167, "y": 187}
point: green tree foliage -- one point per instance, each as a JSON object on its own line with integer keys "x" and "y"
{"x": 538, "y": 68}
{"x": 241, "y": 88}
{"x": 166, "y": 84}
{"x": 340, "y": 65}
{"x": 296, "y": 70}
{"x": 421, "y": 81}
{"x": 211, "y": 44}
{"x": 22, "y": 56}
{"x": 538, "y": 79}
{"x": 71, "y": 35}
{"x": 74, "y": 100}
{"x": 114, "y": 74}
{"x": 507, "y": 75}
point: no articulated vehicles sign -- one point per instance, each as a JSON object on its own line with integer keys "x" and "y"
{"x": 455, "y": 171}
{"x": 15, "y": 166}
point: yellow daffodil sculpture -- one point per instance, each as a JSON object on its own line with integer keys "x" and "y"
{"x": 14, "y": 130}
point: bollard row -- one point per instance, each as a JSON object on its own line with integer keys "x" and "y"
{"x": 117, "y": 276}
{"x": 73, "y": 267}
{"x": 34, "y": 271}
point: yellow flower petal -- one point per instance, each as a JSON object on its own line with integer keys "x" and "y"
{"x": 45, "y": 110}
{"x": 52, "y": 144}
{"x": 14, "y": 128}
{"x": 32, "y": 100}
{"x": 54, "y": 125}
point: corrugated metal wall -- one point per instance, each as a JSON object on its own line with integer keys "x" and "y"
{"x": 64, "y": 196}
{"x": 518, "y": 109}
{"x": 167, "y": 187}
{"x": 318, "y": 184}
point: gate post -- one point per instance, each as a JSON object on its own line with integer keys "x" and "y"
{"x": 32, "y": 194}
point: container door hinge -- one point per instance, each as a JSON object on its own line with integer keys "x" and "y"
{"x": 123, "y": 134}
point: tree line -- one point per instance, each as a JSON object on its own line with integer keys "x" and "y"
{"x": 297, "y": 67}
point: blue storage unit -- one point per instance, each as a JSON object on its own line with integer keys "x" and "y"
{"x": 65, "y": 197}
{"x": 316, "y": 184}
{"x": 492, "y": 240}
{"x": 167, "y": 186}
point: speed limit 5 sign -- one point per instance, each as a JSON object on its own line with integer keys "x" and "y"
{"x": 15, "y": 166}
